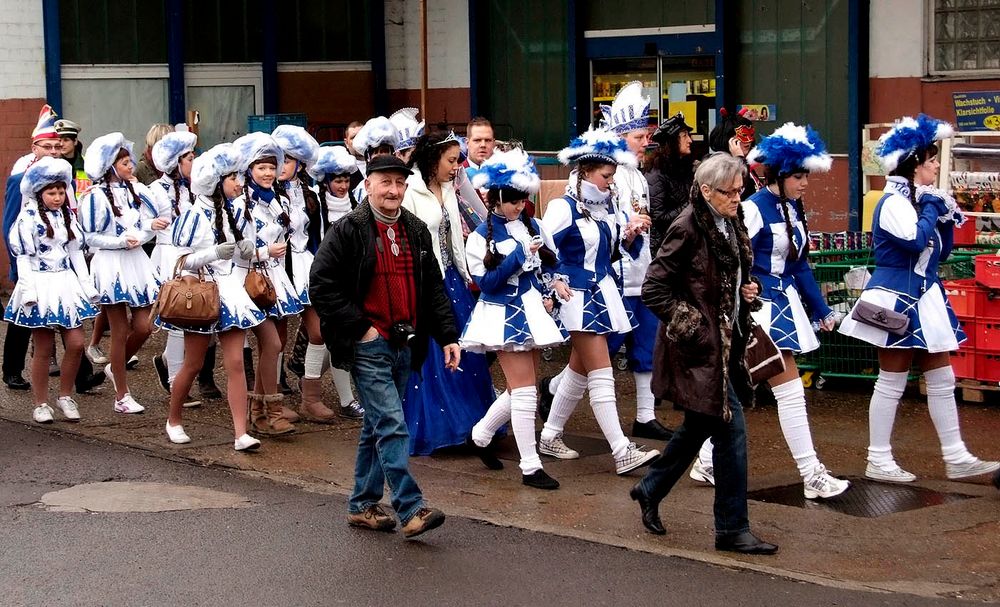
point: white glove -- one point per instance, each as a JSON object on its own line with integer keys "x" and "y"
{"x": 225, "y": 250}
{"x": 91, "y": 294}
{"x": 28, "y": 297}
{"x": 246, "y": 249}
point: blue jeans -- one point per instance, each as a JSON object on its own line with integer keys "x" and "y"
{"x": 381, "y": 372}
{"x": 729, "y": 456}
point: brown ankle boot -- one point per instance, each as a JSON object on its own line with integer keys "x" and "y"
{"x": 258, "y": 415}
{"x": 275, "y": 420}
{"x": 312, "y": 406}
{"x": 290, "y": 415}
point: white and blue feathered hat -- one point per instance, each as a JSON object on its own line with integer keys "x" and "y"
{"x": 792, "y": 148}
{"x": 405, "y": 121}
{"x": 167, "y": 152}
{"x": 513, "y": 169}
{"x": 209, "y": 168}
{"x": 333, "y": 160}
{"x": 101, "y": 154}
{"x": 43, "y": 172}
{"x": 598, "y": 145}
{"x": 297, "y": 143}
{"x": 377, "y": 131}
{"x": 254, "y": 146}
{"x": 909, "y": 136}
{"x": 629, "y": 111}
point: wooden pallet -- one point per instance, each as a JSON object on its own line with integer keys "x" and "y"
{"x": 969, "y": 390}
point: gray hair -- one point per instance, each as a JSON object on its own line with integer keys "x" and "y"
{"x": 718, "y": 171}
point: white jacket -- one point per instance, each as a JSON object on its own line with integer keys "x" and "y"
{"x": 631, "y": 184}
{"x": 424, "y": 204}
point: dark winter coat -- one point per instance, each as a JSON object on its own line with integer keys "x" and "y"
{"x": 690, "y": 286}
{"x": 669, "y": 192}
{"x": 341, "y": 276}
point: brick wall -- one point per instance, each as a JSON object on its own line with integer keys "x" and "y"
{"x": 17, "y": 119}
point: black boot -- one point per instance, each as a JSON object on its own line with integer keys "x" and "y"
{"x": 652, "y": 430}
{"x": 486, "y": 454}
{"x": 297, "y": 363}
{"x": 86, "y": 379}
{"x": 206, "y": 377}
{"x": 283, "y": 377}
{"x": 248, "y": 368}
{"x": 545, "y": 398}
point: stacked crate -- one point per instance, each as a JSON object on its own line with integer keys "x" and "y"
{"x": 976, "y": 302}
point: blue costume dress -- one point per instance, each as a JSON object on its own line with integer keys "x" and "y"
{"x": 121, "y": 275}
{"x": 441, "y": 406}
{"x": 54, "y": 288}
{"x": 510, "y": 315}
{"x": 194, "y": 235}
{"x": 910, "y": 242}
{"x": 788, "y": 288}
{"x": 584, "y": 246}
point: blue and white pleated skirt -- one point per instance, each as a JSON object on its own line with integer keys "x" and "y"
{"x": 60, "y": 301}
{"x": 124, "y": 276}
{"x": 236, "y": 309}
{"x": 933, "y": 324}
{"x": 518, "y": 326}
{"x": 288, "y": 303}
{"x": 441, "y": 406}
{"x": 597, "y": 309}
{"x": 301, "y": 264}
{"x": 164, "y": 258}
{"x": 785, "y": 319}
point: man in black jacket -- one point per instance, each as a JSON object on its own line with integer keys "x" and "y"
{"x": 379, "y": 293}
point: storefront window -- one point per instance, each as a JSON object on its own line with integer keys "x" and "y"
{"x": 965, "y": 36}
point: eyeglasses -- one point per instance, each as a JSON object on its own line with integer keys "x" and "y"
{"x": 49, "y": 148}
{"x": 737, "y": 193}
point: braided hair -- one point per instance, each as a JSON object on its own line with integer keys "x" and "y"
{"x": 176, "y": 177}
{"x": 44, "y": 216}
{"x": 799, "y": 206}
{"x": 221, "y": 208}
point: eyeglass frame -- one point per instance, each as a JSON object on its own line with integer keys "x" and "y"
{"x": 738, "y": 192}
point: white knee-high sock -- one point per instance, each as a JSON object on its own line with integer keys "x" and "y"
{"x": 342, "y": 383}
{"x": 554, "y": 382}
{"x": 791, "y": 399}
{"x": 644, "y": 400}
{"x": 497, "y": 415}
{"x": 280, "y": 365}
{"x": 888, "y": 390}
{"x": 523, "y": 402}
{"x": 571, "y": 388}
{"x": 173, "y": 353}
{"x": 944, "y": 413}
{"x": 602, "y": 400}
{"x": 705, "y": 455}
{"x": 315, "y": 356}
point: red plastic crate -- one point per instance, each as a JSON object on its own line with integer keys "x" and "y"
{"x": 987, "y": 336}
{"x": 964, "y": 364}
{"x": 967, "y": 233}
{"x": 987, "y": 366}
{"x": 962, "y": 296}
{"x": 987, "y": 304}
{"x": 988, "y": 271}
{"x": 970, "y": 326}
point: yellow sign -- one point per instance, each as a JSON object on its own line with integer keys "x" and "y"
{"x": 690, "y": 111}
{"x": 992, "y": 122}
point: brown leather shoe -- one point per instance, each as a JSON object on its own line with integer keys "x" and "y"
{"x": 312, "y": 407}
{"x": 373, "y": 517}
{"x": 424, "y": 520}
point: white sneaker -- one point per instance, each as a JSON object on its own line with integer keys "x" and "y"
{"x": 69, "y": 408}
{"x": 556, "y": 448}
{"x": 128, "y": 405}
{"x": 890, "y": 474}
{"x": 177, "y": 435}
{"x": 976, "y": 467}
{"x": 111, "y": 376}
{"x": 246, "y": 443}
{"x": 42, "y": 414}
{"x": 96, "y": 355}
{"x": 191, "y": 403}
{"x": 821, "y": 484}
{"x": 702, "y": 473}
{"x": 634, "y": 457}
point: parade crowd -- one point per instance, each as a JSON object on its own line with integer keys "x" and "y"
{"x": 416, "y": 260}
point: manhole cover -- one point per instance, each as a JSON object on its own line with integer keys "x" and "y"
{"x": 139, "y": 497}
{"x": 865, "y": 498}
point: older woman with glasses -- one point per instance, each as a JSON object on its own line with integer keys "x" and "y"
{"x": 699, "y": 285}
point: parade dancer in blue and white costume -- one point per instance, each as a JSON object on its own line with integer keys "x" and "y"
{"x": 54, "y": 290}
{"x": 118, "y": 217}
{"x": 405, "y": 121}
{"x": 589, "y": 237}
{"x": 512, "y": 317}
{"x": 377, "y": 137}
{"x": 209, "y": 235}
{"x": 913, "y": 229}
{"x": 268, "y": 211}
{"x": 779, "y": 234}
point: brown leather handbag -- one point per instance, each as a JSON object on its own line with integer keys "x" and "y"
{"x": 188, "y": 301}
{"x": 762, "y": 357}
{"x": 259, "y": 286}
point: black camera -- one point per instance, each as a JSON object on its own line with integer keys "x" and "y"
{"x": 400, "y": 334}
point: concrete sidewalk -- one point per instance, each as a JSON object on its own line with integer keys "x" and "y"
{"x": 948, "y": 549}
